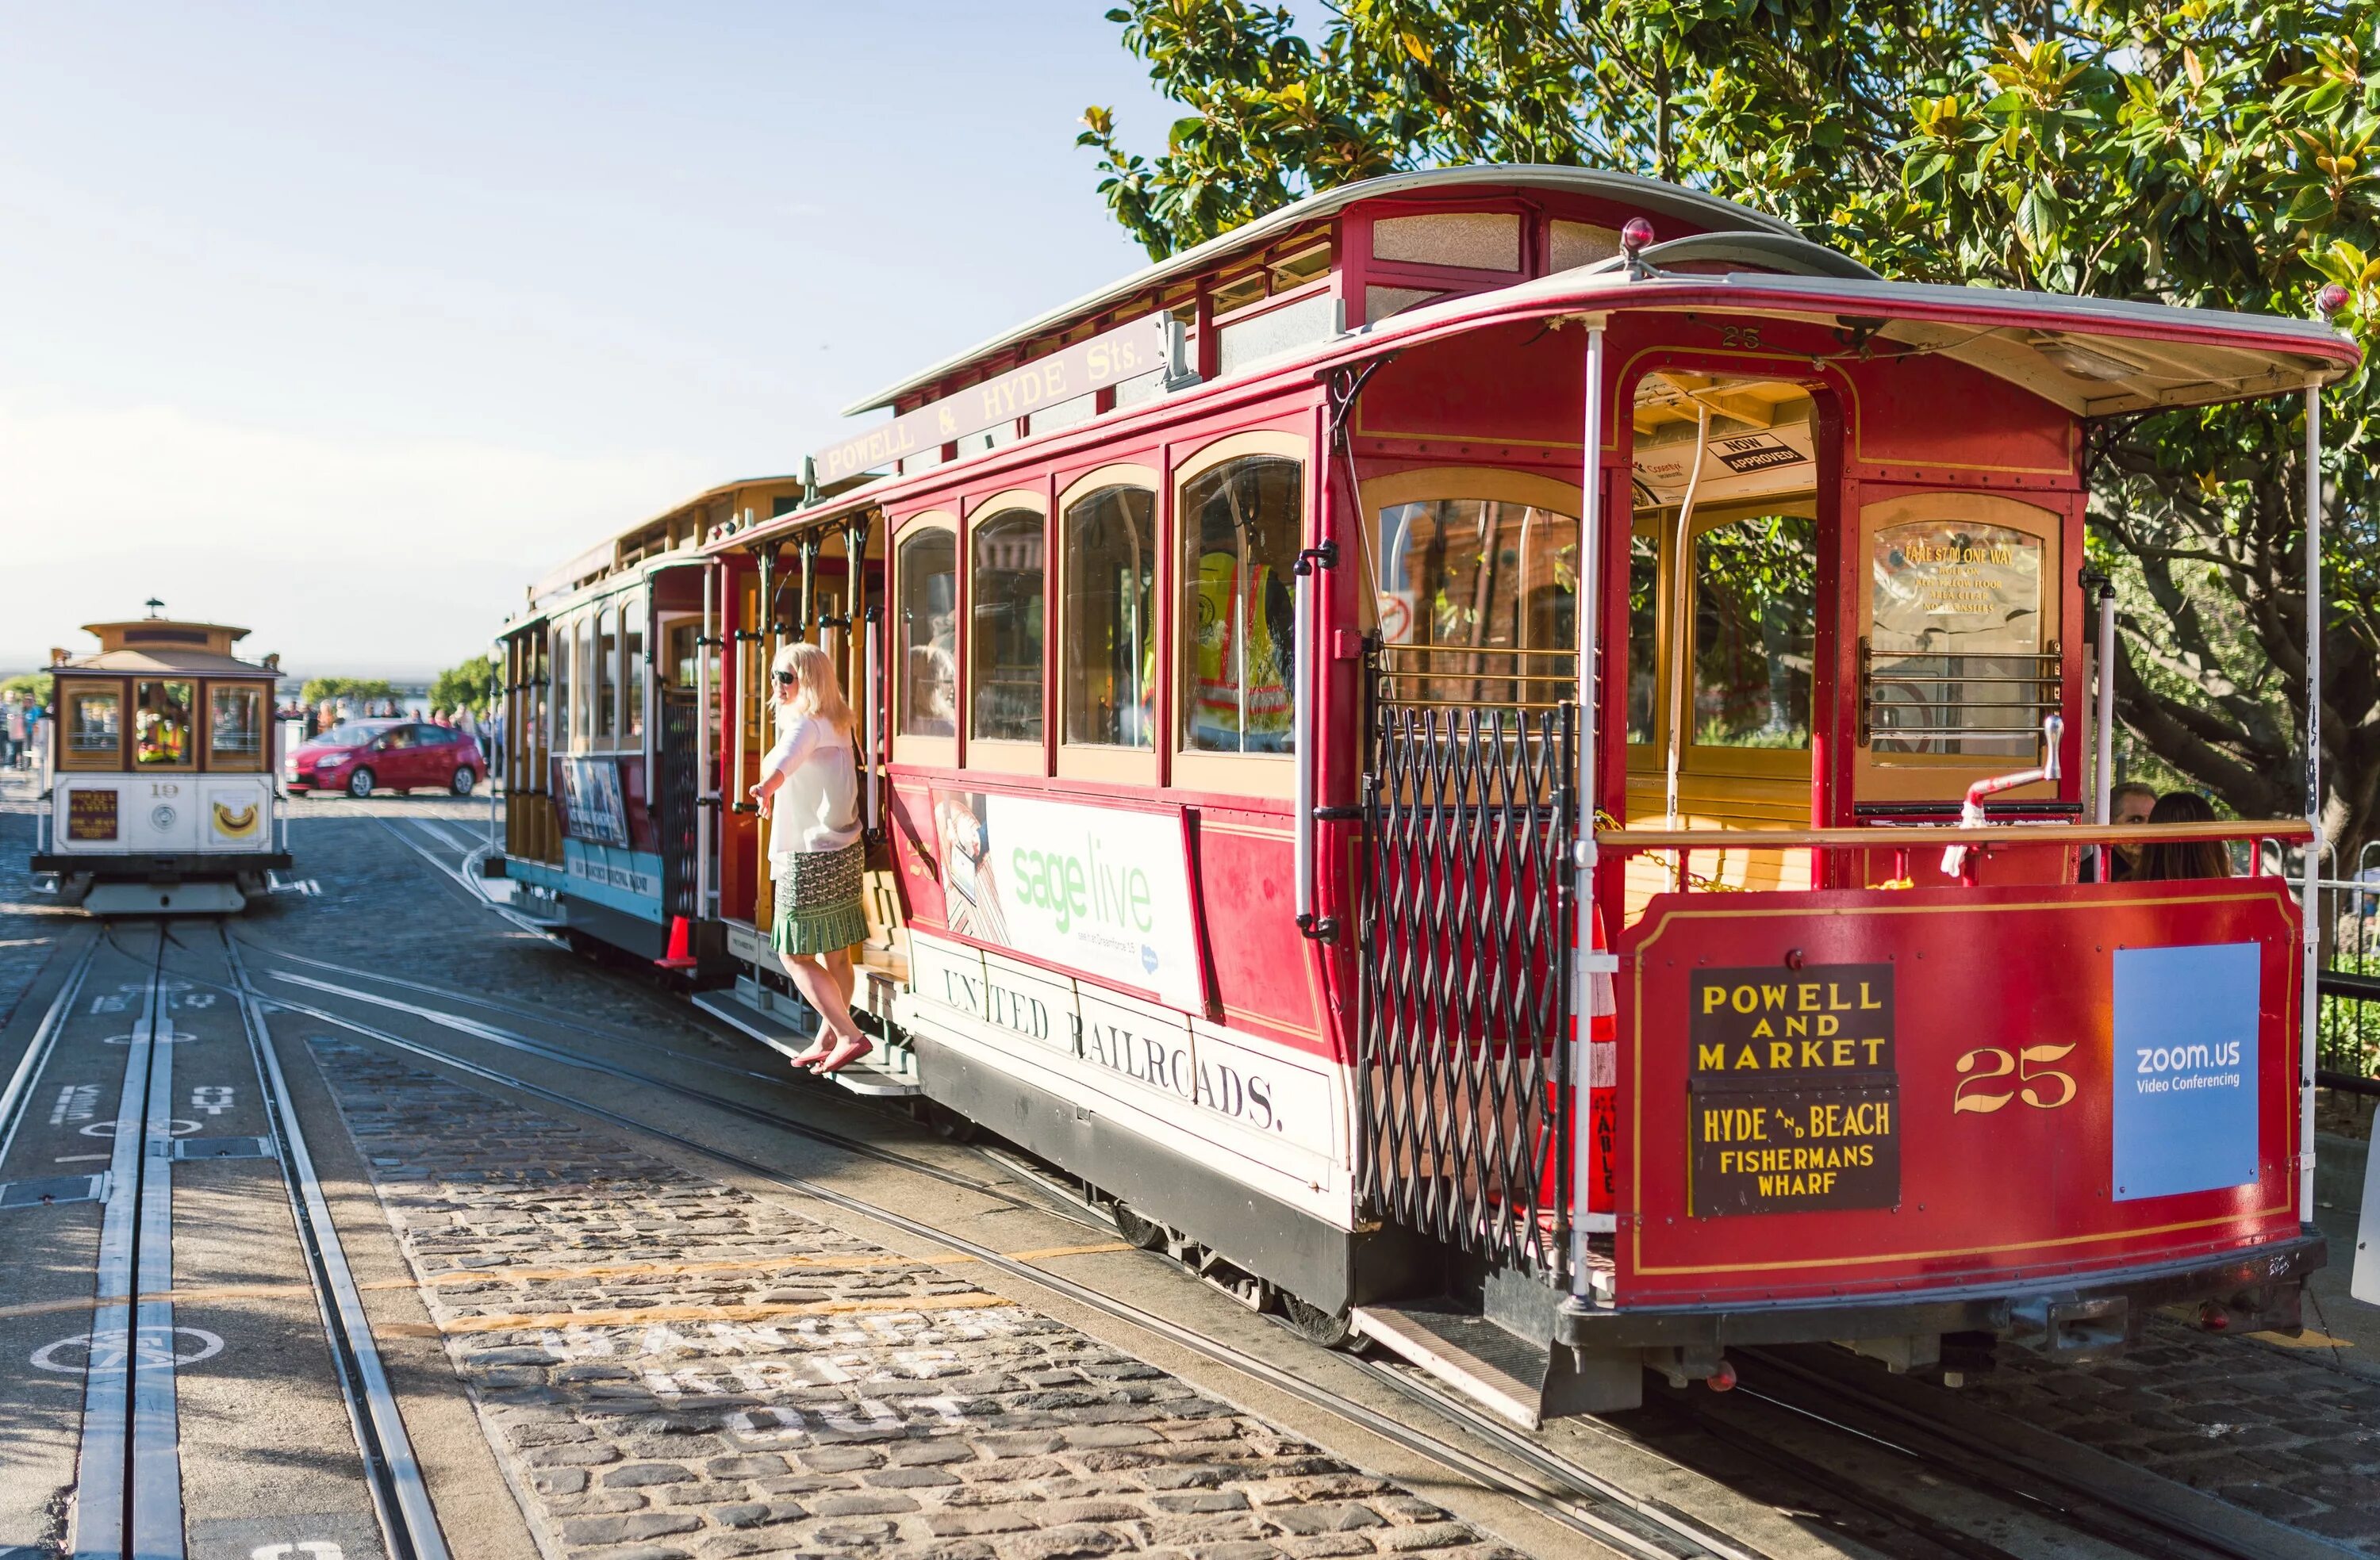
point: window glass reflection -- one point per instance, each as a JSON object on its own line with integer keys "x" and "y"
{"x": 927, "y": 645}
{"x": 1241, "y": 526}
{"x": 1111, "y": 639}
{"x": 1754, "y": 616}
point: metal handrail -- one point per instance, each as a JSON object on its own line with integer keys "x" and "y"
{"x": 1891, "y": 835}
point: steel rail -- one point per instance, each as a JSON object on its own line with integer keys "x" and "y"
{"x": 514, "y": 916}
{"x": 1977, "y": 1463}
{"x": 128, "y": 1481}
{"x": 37, "y": 1050}
{"x": 409, "y": 1522}
{"x": 512, "y": 1040}
{"x": 1623, "y": 1529}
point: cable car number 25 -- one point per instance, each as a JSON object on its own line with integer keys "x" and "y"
{"x": 2038, "y": 1084}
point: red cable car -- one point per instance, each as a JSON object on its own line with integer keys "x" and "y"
{"x": 1248, "y": 824}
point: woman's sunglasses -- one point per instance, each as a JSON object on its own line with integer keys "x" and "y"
{"x": 786, "y": 679}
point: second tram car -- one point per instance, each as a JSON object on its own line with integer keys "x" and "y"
{"x": 163, "y": 798}
{"x": 1452, "y": 758}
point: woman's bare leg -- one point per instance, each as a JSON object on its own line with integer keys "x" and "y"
{"x": 818, "y": 988}
{"x": 854, "y": 1046}
{"x": 846, "y": 977}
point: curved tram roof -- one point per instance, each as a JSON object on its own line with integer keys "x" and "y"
{"x": 2094, "y": 357}
{"x": 162, "y": 646}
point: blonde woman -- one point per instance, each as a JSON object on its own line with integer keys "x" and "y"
{"x": 815, "y": 848}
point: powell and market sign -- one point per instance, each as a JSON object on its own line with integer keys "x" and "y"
{"x": 1129, "y": 352}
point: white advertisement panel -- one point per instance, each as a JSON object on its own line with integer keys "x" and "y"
{"x": 1103, "y": 890}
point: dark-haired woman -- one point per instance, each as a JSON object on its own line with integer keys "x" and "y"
{"x": 2164, "y": 861}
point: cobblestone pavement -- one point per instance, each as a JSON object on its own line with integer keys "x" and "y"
{"x": 2285, "y": 1434}
{"x": 671, "y": 1367}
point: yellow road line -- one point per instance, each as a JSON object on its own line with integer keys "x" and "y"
{"x": 203, "y": 1293}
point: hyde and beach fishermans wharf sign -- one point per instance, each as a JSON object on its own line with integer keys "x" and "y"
{"x": 1794, "y": 1103}
{"x": 1129, "y": 352}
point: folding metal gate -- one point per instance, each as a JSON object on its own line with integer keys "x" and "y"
{"x": 677, "y": 800}
{"x": 1463, "y": 1071}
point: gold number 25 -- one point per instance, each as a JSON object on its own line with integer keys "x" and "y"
{"x": 2030, "y": 1068}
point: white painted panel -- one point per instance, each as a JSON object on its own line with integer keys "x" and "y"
{"x": 161, "y": 815}
{"x": 235, "y": 815}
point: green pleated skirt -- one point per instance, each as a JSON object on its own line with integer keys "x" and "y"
{"x": 818, "y": 901}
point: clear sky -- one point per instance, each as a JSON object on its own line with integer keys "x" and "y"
{"x": 344, "y": 322}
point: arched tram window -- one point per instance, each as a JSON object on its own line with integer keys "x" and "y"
{"x": 1110, "y": 644}
{"x": 1478, "y": 600}
{"x": 1004, "y": 593}
{"x": 1241, "y": 526}
{"x": 926, "y": 576}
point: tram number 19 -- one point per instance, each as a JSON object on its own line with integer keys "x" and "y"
{"x": 2038, "y": 1084}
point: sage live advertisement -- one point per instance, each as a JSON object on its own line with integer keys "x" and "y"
{"x": 1468, "y": 781}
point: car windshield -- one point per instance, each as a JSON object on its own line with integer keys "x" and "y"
{"x": 353, "y": 734}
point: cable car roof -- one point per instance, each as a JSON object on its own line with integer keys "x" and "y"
{"x": 2094, "y": 356}
{"x": 162, "y": 646}
{"x": 1651, "y": 196}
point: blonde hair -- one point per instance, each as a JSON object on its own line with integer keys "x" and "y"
{"x": 818, "y": 692}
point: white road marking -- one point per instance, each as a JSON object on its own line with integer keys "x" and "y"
{"x": 211, "y": 1098}
{"x": 106, "y": 1353}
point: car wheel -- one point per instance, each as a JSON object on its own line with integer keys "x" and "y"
{"x": 465, "y": 779}
{"x": 360, "y": 784}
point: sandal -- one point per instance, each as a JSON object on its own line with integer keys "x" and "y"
{"x": 844, "y": 1055}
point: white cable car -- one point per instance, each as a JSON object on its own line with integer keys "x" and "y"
{"x": 162, "y": 798}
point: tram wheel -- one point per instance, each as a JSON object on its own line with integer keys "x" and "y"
{"x": 1316, "y": 1325}
{"x": 1139, "y": 1231}
{"x": 465, "y": 781}
{"x": 360, "y": 784}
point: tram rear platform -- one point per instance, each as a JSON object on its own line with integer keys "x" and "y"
{"x": 634, "y": 1291}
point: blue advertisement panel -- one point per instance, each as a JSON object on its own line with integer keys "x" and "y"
{"x": 2185, "y": 1073}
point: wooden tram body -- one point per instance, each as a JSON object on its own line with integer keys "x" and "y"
{"x": 163, "y": 798}
{"x": 1245, "y": 846}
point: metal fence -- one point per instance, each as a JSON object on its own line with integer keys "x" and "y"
{"x": 2347, "y": 1045}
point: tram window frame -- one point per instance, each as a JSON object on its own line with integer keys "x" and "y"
{"x": 563, "y": 683}
{"x": 635, "y": 612}
{"x": 1079, "y": 759}
{"x": 1922, "y": 777}
{"x": 188, "y": 762}
{"x": 91, "y": 761}
{"x": 1263, "y": 774}
{"x": 1009, "y": 755}
{"x": 924, "y": 747}
{"x": 1745, "y": 759}
{"x": 1472, "y": 484}
{"x": 608, "y": 637}
{"x": 582, "y": 703}
{"x": 233, "y": 761}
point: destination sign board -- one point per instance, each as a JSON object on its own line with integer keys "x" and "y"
{"x": 1128, "y": 352}
{"x": 1794, "y": 1100}
{"x": 91, "y": 815}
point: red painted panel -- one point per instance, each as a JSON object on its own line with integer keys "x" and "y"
{"x": 2020, "y": 1189}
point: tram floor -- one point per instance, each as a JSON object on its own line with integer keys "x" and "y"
{"x": 605, "y": 1341}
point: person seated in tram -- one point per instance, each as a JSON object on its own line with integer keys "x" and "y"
{"x": 2168, "y": 860}
{"x": 2129, "y": 803}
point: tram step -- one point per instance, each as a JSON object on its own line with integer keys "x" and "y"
{"x": 786, "y": 1025}
{"x": 1501, "y": 1372}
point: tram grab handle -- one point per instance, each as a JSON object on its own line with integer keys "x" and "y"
{"x": 1971, "y": 814}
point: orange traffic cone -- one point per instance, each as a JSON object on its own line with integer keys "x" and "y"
{"x": 678, "y": 958}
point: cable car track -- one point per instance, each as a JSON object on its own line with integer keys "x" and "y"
{"x": 1579, "y": 1505}
{"x": 1554, "y": 1486}
{"x": 128, "y": 1490}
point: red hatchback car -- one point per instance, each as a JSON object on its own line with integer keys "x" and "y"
{"x": 365, "y": 757}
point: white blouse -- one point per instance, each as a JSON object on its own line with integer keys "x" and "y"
{"x": 817, "y": 808}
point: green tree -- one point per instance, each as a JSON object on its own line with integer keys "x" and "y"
{"x": 28, "y": 684}
{"x": 362, "y": 690}
{"x": 2216, "y": 153}
{"x": 471, "y": 685}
